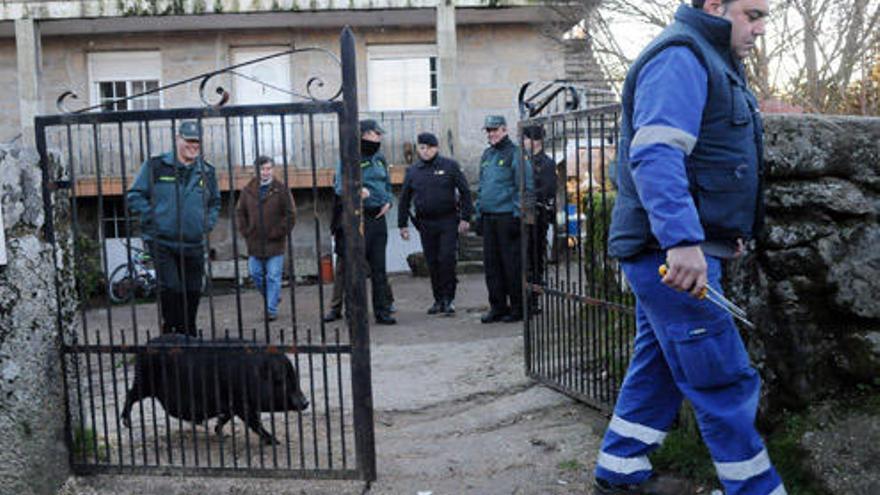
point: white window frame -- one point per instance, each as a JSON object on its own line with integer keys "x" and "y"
{"x": 123, "y": 66}
{"x": 402, "y": 52}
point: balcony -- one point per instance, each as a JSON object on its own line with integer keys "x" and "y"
{"x": 230, "y": 145}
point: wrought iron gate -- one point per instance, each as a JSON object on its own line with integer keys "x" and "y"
{"x": 580, "y": 319}
{"x": 245, "y": 375}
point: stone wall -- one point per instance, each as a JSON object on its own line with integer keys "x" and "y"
{"x": 812, "y": 286}
{"x": 33, "y": 457}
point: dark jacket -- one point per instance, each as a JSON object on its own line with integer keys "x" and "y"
{"x": 278, "y": 217}
{"x": 679, "y": 186}
{"x": 544, "y": 170}
{"x": 499, "y": 179}
{"x": 178, "y": 204}
{"x": 432, "y": 187}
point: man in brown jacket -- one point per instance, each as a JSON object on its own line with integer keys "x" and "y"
{"x": 265, "y": 215}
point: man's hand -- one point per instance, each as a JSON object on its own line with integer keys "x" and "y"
{"x": 463, "y": 227}
{"x": 404, "y": 233}
{"x": 687, "y": 269}
{"x": 384, "y": 210}
{"x": 365, "y": 193}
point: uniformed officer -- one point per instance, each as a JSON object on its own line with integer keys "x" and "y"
{"x": 498, "y": 208}
{"x": 544, "y": 171}
{"x": 177, "y": 198}
{"x": 376, "y": 204}
{"x": 431, "y": 184}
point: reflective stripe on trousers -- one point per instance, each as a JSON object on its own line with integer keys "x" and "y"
{"x": 685, "y": 347}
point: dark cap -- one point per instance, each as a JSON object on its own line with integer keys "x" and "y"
{"x": 494, "y": 122}
{"x": 371, "y": 125}
{"x": 534, "y": 132}
{"x": 189, "y": 129}
{"x": 427, "y": 138}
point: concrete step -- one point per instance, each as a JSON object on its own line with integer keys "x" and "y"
{"x": 469, "y": 267}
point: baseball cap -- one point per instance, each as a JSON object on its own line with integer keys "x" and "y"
{"x": 189, "y": 129}
{"x": 371, "y": 125}
{"x": 494, "y": 122}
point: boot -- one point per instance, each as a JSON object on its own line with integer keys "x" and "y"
{"x": 449, "y": 308}
{"x": 493, "y": 315}
{"x": 333, "y": 315}
{"x": 655, "y": 485}
{"x": 385, "y": 319}
{"x": 436, "y": 308}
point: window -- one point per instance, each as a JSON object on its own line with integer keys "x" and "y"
{"x": 114, "y": 75}
{"x": 401, "y": 77}
{"x": 261, "y": 83}
{"x": 115, "y": 224}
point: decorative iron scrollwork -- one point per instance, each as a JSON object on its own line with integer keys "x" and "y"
{"x": 311, "y": 86}
{"x": 534, "y": 104}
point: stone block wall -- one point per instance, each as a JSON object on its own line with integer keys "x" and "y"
{"x": 33, "y": 457}
{"x": 812, "y": 285}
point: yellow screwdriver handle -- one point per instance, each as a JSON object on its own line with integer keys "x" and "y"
{"x": 663, "y": 270}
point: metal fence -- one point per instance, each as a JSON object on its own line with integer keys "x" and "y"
{"x": 232, "y": 391}
{"x": 580, "y": 317}
{"x": 121, "y": 151}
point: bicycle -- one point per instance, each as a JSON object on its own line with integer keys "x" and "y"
{"x": 135, "y": 278}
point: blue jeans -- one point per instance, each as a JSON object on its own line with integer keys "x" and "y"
{"x": 266, "y": 273}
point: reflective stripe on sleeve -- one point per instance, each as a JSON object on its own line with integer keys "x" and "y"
{"x": 664, "y": 134}
{"x": 780, "y": 490}
{"x": 623, "y": 465}
{"x": 642, "y": 433}
{"x": 744, "y": 470}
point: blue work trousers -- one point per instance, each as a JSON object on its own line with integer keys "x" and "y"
{"x": 266, "y": 274}
{"x": 686, "y": 348}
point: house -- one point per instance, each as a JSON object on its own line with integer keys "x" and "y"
{"x": 422, "y": 65}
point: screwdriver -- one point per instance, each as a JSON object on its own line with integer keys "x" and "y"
{"x": 719, "y": 300}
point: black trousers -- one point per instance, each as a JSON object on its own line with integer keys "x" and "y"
{"x": 502, "y": 262}
{"x": 179, "y": 273}
{"x": 439, "y": 242}
{"x": 375, "y": 242}
{"x": 537, "y": 249}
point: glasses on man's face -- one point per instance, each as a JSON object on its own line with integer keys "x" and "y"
{"x": 491, "y": 129}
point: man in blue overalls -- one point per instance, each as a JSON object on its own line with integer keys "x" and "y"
{"x": 689, "y": 196}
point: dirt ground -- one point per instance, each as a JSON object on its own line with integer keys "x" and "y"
{"x": 454, "y": 412}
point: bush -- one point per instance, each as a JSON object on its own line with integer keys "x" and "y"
{"x": 89, "y": 275}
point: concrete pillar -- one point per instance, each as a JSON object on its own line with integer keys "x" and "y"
{"x": 447, "y": 58}
{"x": 29, "y": 58}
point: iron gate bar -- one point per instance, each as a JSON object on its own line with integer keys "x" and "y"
{"x": 355, "y": 278}
{"x": 579, "y": 345}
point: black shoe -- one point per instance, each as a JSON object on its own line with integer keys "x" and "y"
{"x": 272, "y": 317}
{"x": 655, "y": 485}
{"x": 512, "y": 317}
{"x": 449, "y": 308}
{"x": 436, "y": 308}
{"x": 332, "y": 315}
{"x": 492, "y": 316}
{"x": 384, "y": 319}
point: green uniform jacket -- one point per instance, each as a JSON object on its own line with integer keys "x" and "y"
{"x": 499, "y": 179}
{"x": 375, "y": 177}
{"x": 178, "y": 204}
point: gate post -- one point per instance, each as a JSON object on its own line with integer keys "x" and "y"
{"x": 355, "y": 270}
{"x": 33, "y": 458}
